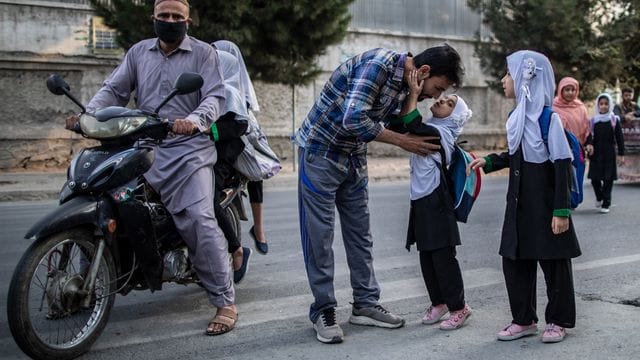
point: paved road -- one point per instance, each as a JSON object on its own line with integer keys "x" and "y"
{"x": 274, "y": 297}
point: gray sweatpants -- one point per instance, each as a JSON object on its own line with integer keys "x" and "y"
{"x": 207, "y": 245}
{"x": 323, "y": 186}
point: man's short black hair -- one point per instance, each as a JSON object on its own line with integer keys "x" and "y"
{"x": 443, "y": 60}
{"x": 627, "y": 90}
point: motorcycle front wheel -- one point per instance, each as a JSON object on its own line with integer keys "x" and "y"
{"x": 47, "y": 307}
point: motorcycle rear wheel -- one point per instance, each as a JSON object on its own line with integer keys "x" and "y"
{"x": 45, "y": 311}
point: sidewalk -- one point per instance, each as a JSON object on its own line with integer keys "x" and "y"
{"x": 27, "y": 186}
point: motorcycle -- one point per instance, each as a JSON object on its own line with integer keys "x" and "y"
{"x": 110, "y": 234}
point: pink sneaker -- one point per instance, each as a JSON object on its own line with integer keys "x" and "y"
{"x": 456, "y": 319}
{"x": 515, "y": 331}
{"x": 434, "y": 314}
{"x": 553, "y": 334}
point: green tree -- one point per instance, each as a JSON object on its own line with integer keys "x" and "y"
{"x": 623, "y": 31}
{"x": 569, "y": 32}
{"x": 280, "y": 40}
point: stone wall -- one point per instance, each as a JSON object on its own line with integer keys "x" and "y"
{"x": 37, "y": 38}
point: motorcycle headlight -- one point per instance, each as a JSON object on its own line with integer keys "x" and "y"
{"x": 111, "y": 128}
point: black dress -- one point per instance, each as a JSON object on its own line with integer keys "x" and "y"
{"x": 432, "y": 221}
{"x": 604, "y": 137}
{"x": 535, "y": 190}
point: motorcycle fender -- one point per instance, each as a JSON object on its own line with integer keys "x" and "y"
{"x": 73, "y": 213}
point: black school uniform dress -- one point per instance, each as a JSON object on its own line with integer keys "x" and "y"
{"x": 534, "y": 192}
{"x": 603, "y": 169}
{"x": 434, "y": 230}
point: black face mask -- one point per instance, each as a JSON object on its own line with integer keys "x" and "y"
{"x": 170, "y": 32}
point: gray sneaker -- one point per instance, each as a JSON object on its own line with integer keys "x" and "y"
{"x": 375, "y": 316}
{"x": 327, "y": 330}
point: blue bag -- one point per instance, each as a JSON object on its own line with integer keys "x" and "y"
{"x": 464, "y": 189}
{"x": 577, "y": 163}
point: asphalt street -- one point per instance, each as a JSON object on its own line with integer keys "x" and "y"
{"x": 273, "y": 300}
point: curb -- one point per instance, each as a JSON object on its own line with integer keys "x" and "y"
{"x": 37, "y": 186}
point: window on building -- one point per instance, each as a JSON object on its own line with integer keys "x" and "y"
{"x": 103, "y": 38}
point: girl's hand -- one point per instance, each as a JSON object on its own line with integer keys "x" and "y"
{"x": 415, "y": 86}
{"x": 589, "y": 150}
{"x": 559, "y": 224}
{"x": 621, "y": 160}
{"x": 476, "y": 163}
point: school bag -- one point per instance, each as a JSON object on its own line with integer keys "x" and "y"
{"x": 257, "y": 161}
{"x": 577, "y": 164}
{"x": 464, "y": 189}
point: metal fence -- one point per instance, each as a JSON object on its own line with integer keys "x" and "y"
{"x": 446, "y": 18}
{"x": 81, "y": 2}
{"x": 429, "y": 17}
{"x": 85, "y": 2}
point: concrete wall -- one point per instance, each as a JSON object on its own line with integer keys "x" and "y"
{"x": 38, "y": 38}
{"x": 44, "y": 27}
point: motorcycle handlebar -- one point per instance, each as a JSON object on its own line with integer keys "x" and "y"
{"x": 170, "y": 124}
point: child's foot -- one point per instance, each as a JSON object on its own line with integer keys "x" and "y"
{"x": 553, "y": 334}
{"x": 456, "y": 319}
{"x": 515, "y": 331}
{"x": 598, "y": 204}
{"x": 434, "y": 314}
{"x": 604, "y": 210}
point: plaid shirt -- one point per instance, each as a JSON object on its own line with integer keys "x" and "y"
{"x": 361, "y": 93}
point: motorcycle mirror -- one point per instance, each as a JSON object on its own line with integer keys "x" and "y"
{"x": 58, "y": 86}
{"x": 186, "y": 83}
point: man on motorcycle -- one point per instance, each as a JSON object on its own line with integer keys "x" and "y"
{"x": 182, "y": 172}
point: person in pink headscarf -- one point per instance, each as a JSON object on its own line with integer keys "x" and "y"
{"x": 572, "y": 111}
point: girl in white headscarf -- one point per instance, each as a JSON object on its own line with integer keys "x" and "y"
{"x": 245, "y": 86}
{"x": 229, "y": 146}
{"x": 605, "y": 133}
{"x": 537, "y": 225}
{"x": 432, "y": 221}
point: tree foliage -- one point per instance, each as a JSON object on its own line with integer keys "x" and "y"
{"x": 280, "y": 40}
{"x": 569, "y": 32}
{"x": 624, "y": 33}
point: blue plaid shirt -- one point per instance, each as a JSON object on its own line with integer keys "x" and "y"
{"x": 361, "y": 93}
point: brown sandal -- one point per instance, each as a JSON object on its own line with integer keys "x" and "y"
{"x": 225, "y": 317}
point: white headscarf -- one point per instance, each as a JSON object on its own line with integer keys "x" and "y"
{"x": 534, "y": 86}
{"x": 246, "y": 87}
{"x": 234, "y": 101}
{"x": 598, "y": 117}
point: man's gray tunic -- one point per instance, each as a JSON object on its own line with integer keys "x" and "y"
{"x": 182, "y": 170}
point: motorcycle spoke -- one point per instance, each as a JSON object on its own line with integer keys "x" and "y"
{"x": 65, "y": 324}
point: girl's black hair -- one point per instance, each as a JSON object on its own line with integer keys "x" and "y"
{"x": 443, "y": 60}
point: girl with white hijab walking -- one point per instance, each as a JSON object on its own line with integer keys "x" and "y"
{"x": 537, "y": 225}
{"x": 605, "y": 133}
